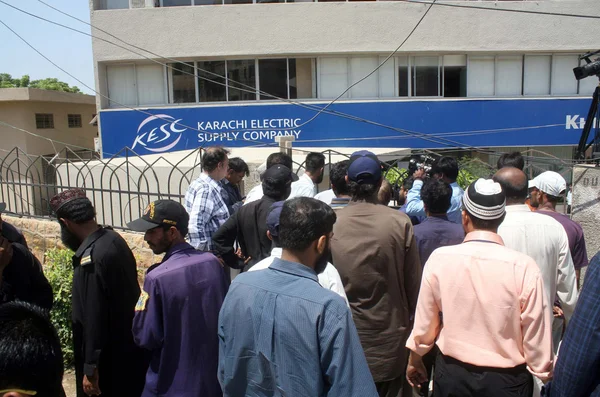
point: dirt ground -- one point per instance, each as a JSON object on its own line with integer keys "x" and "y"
{"x": 69, "y": 383}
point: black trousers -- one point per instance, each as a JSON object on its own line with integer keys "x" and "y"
{"x": 454, "y": 378}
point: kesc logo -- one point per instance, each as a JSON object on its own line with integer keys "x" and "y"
{"x": 158, "y": 133}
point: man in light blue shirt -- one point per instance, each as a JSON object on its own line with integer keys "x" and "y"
{"x": 446, "y": 169}
{"x": 283, "y": 334}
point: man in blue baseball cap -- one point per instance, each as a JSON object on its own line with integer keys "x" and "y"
{"x": 374, "y": 250}
{"x": 330, "y": 278}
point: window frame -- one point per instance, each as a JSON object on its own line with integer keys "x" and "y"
{"x": 74, "y": 117}
{"x": 49, "y": 126}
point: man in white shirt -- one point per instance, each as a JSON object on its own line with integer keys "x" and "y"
{"x": 306, "y": 186}
{"x": 256, "y": 193}
{"x": 329, "y": 278}
{"x": 539, "y": 236}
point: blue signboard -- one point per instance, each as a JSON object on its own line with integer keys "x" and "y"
{"x": 393, "y": 124}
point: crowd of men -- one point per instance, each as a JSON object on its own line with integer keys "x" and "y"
{"x": 458, "y": 292}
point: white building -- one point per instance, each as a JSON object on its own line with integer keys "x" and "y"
{"x": 475, "y": 77}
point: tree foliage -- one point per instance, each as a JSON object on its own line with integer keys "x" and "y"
{"x": 54, "y": 84}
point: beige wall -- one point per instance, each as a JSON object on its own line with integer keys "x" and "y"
{"x": 22, "y": 114}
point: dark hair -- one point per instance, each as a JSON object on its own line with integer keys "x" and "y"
{"x": 304, "y": 220}
{"x": 79, "y": 211}
{"x": 511, "y": 190}
{"x": 551, "y": 198}
{"x": 407, "y": 183}
{"x": 337, "y": 176}
{"x": 30, "y": 354}
{"x": 238, "y": 165}
{"x": 362, "y": 191}
{"x": 183, "y": 228}
{"x": 447, "y": 166}
{"x": 280, "y": 158}
{"x": 514, "y": 159}
{"x": 212, "y": 157}
{"x": 275, "y": 189}
{"x": 484, "y": 224}
{"x": 314, "y": 161}
{"x": 436, "y": 195}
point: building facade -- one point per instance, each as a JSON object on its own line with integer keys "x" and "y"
{"x": 239, "y": 73}
{"x": 59, "y": 119}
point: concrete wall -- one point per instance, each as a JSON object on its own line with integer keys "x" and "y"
{"x": 22, "y": 114}
{"x": 43, "y": 235}
{"x": 586, "y": 205}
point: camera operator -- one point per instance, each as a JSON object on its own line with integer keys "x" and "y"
{"x": 446, "y": 169}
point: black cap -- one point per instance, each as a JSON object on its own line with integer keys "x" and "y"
{"x": 278, "y": 174}
{"x": 161, "y": 212}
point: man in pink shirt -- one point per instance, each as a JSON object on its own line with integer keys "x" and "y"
{"x": 484, "y": 306}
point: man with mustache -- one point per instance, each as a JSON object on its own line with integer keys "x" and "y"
{"x": 105, "y": 292}
{"x": 283, "y": 334}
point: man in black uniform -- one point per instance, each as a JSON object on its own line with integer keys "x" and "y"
{"x": 105, "y": 292}
{"x": 10, "y": 232}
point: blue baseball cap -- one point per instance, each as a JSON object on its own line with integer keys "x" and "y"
{"x": 364, "y": 167}
{"x": 273, "y": 217}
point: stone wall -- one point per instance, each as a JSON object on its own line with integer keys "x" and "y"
{"x": 586, "y": 205}
{"x": 43, "y": 235}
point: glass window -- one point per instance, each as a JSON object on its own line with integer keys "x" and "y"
{"x": 403, "y": 76}
{"x": 386, "y": 78}
{"x": 426, "y": 76}
{"x": 74, "y": 120}
{"x": 480, "y": 76}
{"x": 183, "y": 83}
{"x": 237, "y": 1}
{"x": 333, "y": 77}
{"x": 121, "y": 85}
{"x": 150, "y": 84}
{"x": 273, "y": 78}
{"x": 303, "y": 83}
{"x": 455, "y": 76}
{"x": 509, "y": 75}
{"x": 588, "y": 85}
{"x": 44, "y": 120}
{"x": 175, "y": 3}
{"x": 207, "y": 2}
{"x": 563, "y": 80}
{"x": 113, "y": 4}
{"x": 242, "y": 71}
{"x": 211, "y": 81}
{"x": 536, "y": 75}
{"x": 359, "y": 68}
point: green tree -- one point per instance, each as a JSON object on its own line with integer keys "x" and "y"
{"x": 7, "y": 81}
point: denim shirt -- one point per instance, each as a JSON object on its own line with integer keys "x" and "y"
{"x": 414, "y": 204}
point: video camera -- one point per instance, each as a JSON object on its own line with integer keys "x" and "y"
{"x": 423, "y": 161}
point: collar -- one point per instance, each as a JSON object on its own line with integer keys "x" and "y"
{"x": 340, "y": 200}
{"x": 518, "y": 208}
{"x": 207, "y": 179}
{"x": 277, "y": 252}
{"x": 306, "y": 179}
{"x": 175, "y": 249}
{"x": 431, "y": 218}
{"x": 548, "y": 207}
{"x": 225, "y": 181}
{"x": 89, "y": 240}
{"x": 484, "y": 235}
{"x": 295, "y": 269}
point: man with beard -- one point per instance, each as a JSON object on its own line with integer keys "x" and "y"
{"x": 105, "y": 291}
{"x": 374, "y": 250}
{"x": 176, "y": 315}
{"x": 280, "y": 332}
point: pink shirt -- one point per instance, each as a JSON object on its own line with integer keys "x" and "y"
{"x": 493, "y": 305}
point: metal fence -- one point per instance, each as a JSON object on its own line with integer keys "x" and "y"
{"x": 120, "y": 187}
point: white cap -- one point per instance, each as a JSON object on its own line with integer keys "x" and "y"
{"x": 549, "y": 182}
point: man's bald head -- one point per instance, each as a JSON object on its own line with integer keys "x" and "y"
{"x": 514, "y": 183}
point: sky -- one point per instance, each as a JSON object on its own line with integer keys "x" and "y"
{"x": 71, "y": 50}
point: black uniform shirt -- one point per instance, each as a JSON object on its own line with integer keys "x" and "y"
{"x": 105, "y": 291}
{"x": 13, "y": 234}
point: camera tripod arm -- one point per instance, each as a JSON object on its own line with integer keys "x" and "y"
{"x": 589, "y": 123}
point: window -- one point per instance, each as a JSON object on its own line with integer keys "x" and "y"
{"x": 359, "y": 68}
{"x": 74, "y": 120}
{"x": 426, "y": 76}
{"x": 242, "y": 71}
{"x": 273, "y": 77}
{"x": 536, "y": 74}
{"x": 387, "y": 78}
{"x": 455, "y": 76}
{"x": 150, "y": 81}
{"x": 480, "y": 76}
{"x": 112, "y": 4}
{"x": 509, "y": 75}
{"x": 176, "y": 3}
{"x": 44, "y": 120}
{"x": 303, "y": 80}
{"x": 121, "y": 85}
{"x": 403, "y": 76}
{"x": 212, "y": 85}
{"x": 563, "y": 80}
{"x": 182, "y": 83}
{"x": 333, "y": 73}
